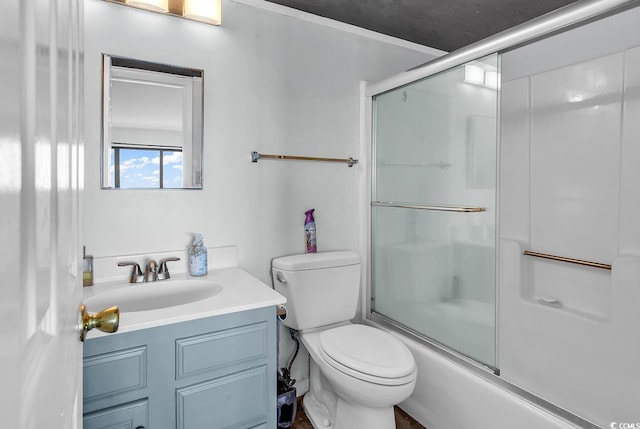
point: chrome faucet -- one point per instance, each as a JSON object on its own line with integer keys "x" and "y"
{"x": 151, "y": 271}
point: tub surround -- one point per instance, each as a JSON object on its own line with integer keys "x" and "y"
{"x": 570, "y": 153}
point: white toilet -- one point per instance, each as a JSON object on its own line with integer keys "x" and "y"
{"x": 358, "y": 373}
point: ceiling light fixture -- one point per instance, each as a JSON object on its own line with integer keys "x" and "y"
{"x": 154, "y": 5}
{"x": 208, "y": 11}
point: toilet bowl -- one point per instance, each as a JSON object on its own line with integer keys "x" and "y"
{"x": 357, "y": 372}
{"x": 368, "y": 369}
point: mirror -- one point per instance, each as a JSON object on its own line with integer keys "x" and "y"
{"x": 151, "y": 125}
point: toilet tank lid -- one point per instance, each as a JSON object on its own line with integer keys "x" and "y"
{"x": 313, "y": 261}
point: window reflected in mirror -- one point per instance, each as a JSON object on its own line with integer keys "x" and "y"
{"x": 133, "y": 168}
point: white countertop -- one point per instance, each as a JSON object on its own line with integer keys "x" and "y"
{"x": 240, "y": 291}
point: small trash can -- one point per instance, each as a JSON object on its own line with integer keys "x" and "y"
{"x": 287, "y": 405}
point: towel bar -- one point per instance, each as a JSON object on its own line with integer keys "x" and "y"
{"x": 569, "y": 260}
{"x": 255, "y": 156}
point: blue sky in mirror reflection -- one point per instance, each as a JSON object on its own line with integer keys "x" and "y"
{"x": 140, "y": 168}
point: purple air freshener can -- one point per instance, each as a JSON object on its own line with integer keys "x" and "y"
{"x": 310, "y": 232}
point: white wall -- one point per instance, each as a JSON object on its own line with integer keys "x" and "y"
{"x": 274, "y": 84}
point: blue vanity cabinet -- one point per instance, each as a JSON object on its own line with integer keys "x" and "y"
{"x": 215, "y": 372}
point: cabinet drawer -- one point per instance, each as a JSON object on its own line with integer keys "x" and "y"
{"x": 207, "y": 352}
{"x": 131, "y": 415}
{"x": 114, "y": 373}
{"x": 236, "y": 400}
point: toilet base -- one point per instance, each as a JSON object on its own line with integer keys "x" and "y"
{"x": 348, "y": 416}
{"x": 316, "y": 412}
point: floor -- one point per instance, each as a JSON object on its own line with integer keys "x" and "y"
{"x": 403, "y": 420}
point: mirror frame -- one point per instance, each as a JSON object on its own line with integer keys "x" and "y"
{"x": 196, "y": 145}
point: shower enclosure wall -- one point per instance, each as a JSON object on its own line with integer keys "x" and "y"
{"x": 533, "y": 148}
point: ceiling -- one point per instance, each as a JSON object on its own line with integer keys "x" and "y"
{"x": 442, "y": 24}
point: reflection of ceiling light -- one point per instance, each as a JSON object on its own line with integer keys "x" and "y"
{"x": 476, "y": 75}
{"x": 155, "y": 5}
{"x": 208, "y": 11}
{"x": 491, "y": 79}
{"x": 473, "y": 74}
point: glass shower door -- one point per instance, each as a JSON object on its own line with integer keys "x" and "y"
{"x": 434, "y": 208}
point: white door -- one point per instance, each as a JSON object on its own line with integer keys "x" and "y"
{"x": 40, "y": 182}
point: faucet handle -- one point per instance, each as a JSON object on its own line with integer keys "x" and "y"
{"x": 136, "y": 273}
{"x": 163, "y": 271}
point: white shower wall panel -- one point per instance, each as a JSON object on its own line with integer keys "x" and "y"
{"x": 569, "y": 157}
{"x": 575, "y": 156}
{"x": 629, "y": 240}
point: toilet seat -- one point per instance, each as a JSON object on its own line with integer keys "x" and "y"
{"x": 368, "y": 353}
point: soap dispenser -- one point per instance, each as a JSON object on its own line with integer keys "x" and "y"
{"x": 198, "y": 257}
{"x": 87, "y": 268}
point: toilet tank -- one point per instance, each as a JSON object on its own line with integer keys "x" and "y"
{"x": 321, "y": 288}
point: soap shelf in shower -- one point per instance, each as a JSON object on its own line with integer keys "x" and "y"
{"x": 255, "y": 156}
{"x": 460, "y": 209}
{"x": 568, "y": 260}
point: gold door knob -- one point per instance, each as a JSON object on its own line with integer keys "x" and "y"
{"x": 106, "y": 320}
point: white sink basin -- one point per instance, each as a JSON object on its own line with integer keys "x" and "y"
{"x": 155, "y": 295}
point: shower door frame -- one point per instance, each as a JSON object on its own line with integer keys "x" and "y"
{"x": 563, "y": 19}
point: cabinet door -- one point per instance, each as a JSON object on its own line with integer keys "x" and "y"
{"x": 133, "y": 415}
{"x": 233, "y": 401}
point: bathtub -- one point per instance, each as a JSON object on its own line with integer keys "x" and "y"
{"x": 449, "y": 395}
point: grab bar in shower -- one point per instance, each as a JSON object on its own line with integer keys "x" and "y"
{"x": 569, "y": 260}
{"x": 461, "y": 209}
{"x": 255, "y": 156}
